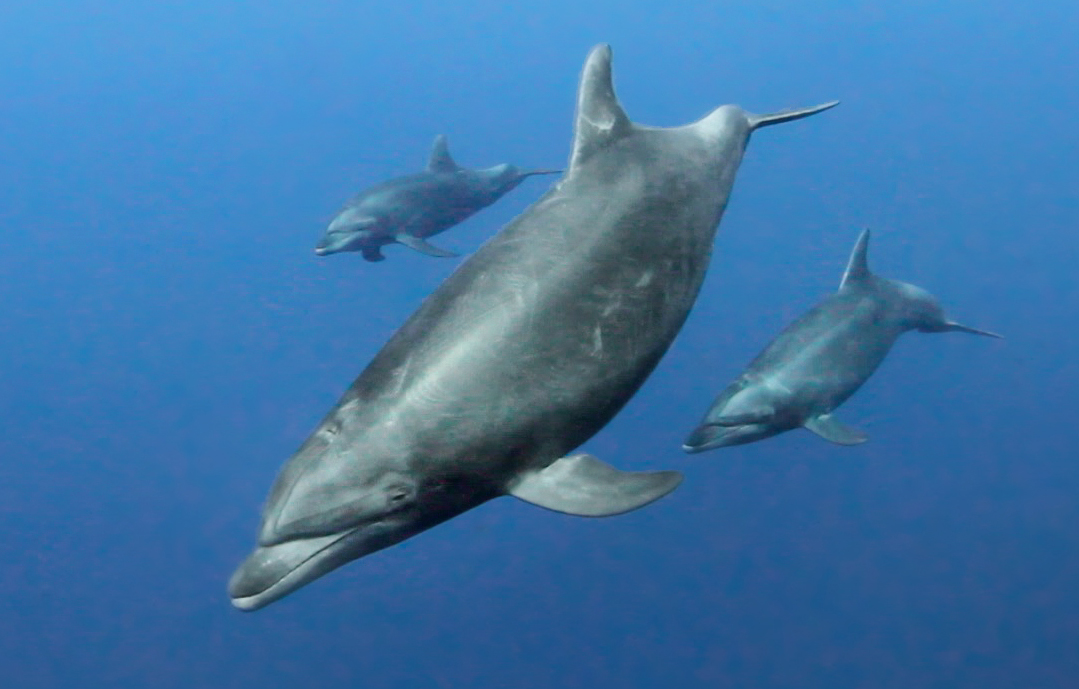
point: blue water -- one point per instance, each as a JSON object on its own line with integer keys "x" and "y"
{"x": 168, "y": 338}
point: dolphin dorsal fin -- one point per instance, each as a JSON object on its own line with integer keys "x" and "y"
{"x": 440, "y": 160}
{"x": 600, "y": 117}
{"x": 858, "y": 266}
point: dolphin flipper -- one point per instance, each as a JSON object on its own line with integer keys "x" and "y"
{"x": 829, "y": 428}
{"x": 424, "y": 247}
{"x": 373, "y": 253}
{"x": 584, "y": 486}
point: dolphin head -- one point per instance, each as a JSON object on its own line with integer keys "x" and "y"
{"x": 747, "y": 411}
{"x": 339, "y": 499}
{"x": 924, "y": 313}
{"x": 709, "y": 436}
{"x": 351, "y": 230}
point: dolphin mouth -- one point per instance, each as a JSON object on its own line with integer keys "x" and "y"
{"x": 713, "y": 436}
{"x": 272, "y": 572}
{"x": 336, "y": 242}
{"x": 694, "y": 449}
{"x": 706, "y": 437}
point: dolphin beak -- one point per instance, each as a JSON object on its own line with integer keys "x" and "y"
{"x": 271, "y": 573}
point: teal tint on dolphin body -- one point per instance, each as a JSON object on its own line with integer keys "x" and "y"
{"x": 821, "y": 359}
{"x": 408, "y": 210}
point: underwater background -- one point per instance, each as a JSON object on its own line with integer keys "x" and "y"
{"x": 169, "y": 338}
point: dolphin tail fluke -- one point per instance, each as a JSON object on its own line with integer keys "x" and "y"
{"x": 584, "y": 486}
{"x": 952, "y": 326}
{"x": 758, "y": 121}
{"x": 530, "y": 173}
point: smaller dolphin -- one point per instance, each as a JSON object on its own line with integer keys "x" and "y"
{"x": 409, "y": 209}
{"x": 822, "y": 359}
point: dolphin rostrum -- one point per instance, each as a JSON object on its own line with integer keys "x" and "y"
{"x": 821, "y": 359}
{"x": 409, "y": 209}
{"x": 522, "y": 354}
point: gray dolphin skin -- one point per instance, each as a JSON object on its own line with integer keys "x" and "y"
{"x": 821, "y": 359}
{"x": 525, "y": 351}
{"x": 408, "y": 210}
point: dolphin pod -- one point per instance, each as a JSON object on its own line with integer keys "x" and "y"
{"x": 820, "y": 360}
{"x": 523, "y": 353}
{"x": 407, "y": 210}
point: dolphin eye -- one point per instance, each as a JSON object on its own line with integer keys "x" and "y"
{"x": 398, "y": 495}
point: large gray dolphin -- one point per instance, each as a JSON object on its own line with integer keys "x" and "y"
{"x": 821, "y": 359}
{"x": 409, "y": 209}
{"x": 522, "y": 354}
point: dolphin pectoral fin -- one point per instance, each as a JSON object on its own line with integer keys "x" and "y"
{"x": 584, "y": 486}
{"x": 424, "y": 247}
{"x": 829, "y": 428}
{"x": 373, "y": 253}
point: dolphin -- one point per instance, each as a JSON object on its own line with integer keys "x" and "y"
{"x": 523, "y": 353}
{"x": 822, "y": 359}
{"x": 409, "y": 209}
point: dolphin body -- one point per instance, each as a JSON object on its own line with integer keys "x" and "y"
{"x": 822, "y": 359}
{"x": 521, "y": 355}
{"x": 409, "y": 209}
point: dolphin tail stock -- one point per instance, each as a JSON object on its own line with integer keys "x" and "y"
{"x": 758, "y": 121}
{"x": 583, "y": 486}
{"x": 953, "y": 327}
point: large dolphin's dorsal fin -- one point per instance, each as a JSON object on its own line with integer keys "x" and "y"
{"x": 600, "y": 117}
{"x": 858, "y": 266}
{"x": 440, "y": 160}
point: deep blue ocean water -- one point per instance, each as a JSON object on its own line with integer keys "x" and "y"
{"x": 169, "y": 338}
